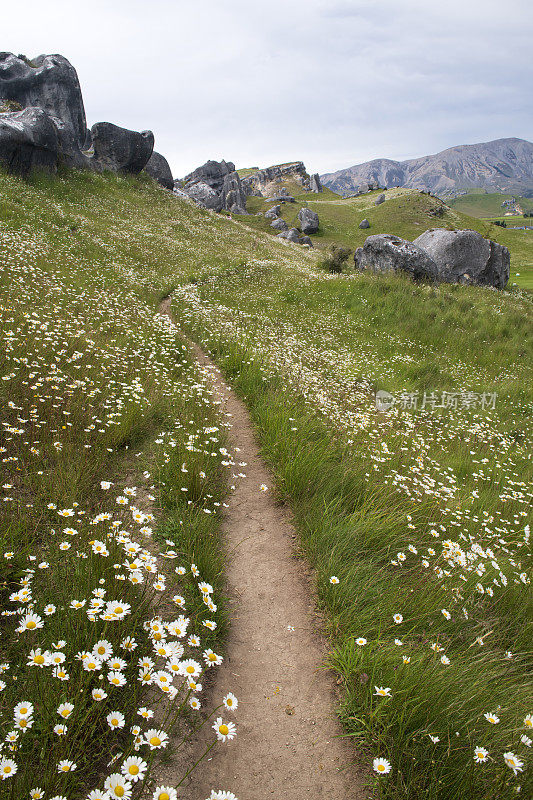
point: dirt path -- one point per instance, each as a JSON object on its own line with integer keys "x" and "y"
{"x": 287, "y": 744}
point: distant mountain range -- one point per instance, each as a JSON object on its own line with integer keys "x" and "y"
{"x": 504, "y": 165}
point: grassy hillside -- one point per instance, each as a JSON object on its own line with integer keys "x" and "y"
{"x": 481, "y": 205}
{"x": 417, "y": 511}
{"x": 405, "y": 213}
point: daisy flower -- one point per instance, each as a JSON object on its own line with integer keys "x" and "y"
{"x": 334, "y": 580}
{"x": 513, "y": 762}
{"x": 360, "y": 641}
{"x": 230, "y": 701}
{"x": 397, "y": 618}
{"x": 382, "y": 692}
{"x": 224, "y": 730}
{"x": 115, "y": 719}
{"x": 24, "y": 709}
{"x": 155, "y": 739}
{"x": 66, "y": 766}
{"x": 118, "y": 787}
{"x": 480, "y": 755}
{"x": 8, "y": 768}
{"x": 211, "y": 658}
{"x": 134, "y": 768}
{"x": 65, "y": 710}
{"x": 492, "y": 718}
{"x": 165, "y": 793}
{"x": 381, "y": 766}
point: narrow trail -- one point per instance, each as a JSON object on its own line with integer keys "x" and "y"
{"x": 287, "y": 742}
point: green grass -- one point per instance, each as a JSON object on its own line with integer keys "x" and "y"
{"x": 479, "y": 204}
{"x": 364, "y": 487}
{"x": 405, "y": 213}
{"x": 87, "y": 258}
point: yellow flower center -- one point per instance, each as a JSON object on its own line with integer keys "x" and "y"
{"x": 133, "y": 770}
{"x": 119, "y": 610}
{"x": 101, "y": 651}
{"x": 39, "y": 659}
{"x": 155, "y": 741}
{"x": 31, "y": 624}
{"x": 164, "y": 796}
{"x": 23, "y": 723}
{"x": 229, "y": 701}
{"x": 529, "y": 723}
{"x": 224, "y": 730}
{"x": 157, "y": 637}
{"x": 65, "y": 713}
{"x": 119, "y": 791}
{"x": 190, "y": 670}
{"x": 24, "y": 710}
{"x": 7, "y": 770}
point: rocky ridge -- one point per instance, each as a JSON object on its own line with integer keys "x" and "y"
{"x": 503, "y": 165}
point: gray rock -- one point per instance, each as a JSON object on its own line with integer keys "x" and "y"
{"x": 51, "y": 83}
{"x": 273, "y": 212}
{"x": 314, "y": 183}
{"x": 159, "y": 168}
{"x": 292, "y": 235}
{"x": 305, "y": 240}
{"x": 364, "y": 224}
{"x": 279, "y": 225}
{"x": 282, "y": 198}
{"x": 465, "y": 256}
{"x": 386, "y": 253}
{"x": 212, "y": 173}
{"x": 204, "y": 196}
{"x": 308, "y": 220}
{"x": 119, "y": 149}
{"x": 379, "y": 200}
{"x": 28, "y": 141}
{"x": 233, "y": 196}
{"x": 180, "y": 193}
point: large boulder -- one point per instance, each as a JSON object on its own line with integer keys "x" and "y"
{"x": 308, "y": 220}
{"x": 364, "y": 224}
{"x": 159, "y": 168}
{"x": 279, "y": 225}
{"x": 233, "y": 196}
{"x": 28, "y": 141}
{"x": 212, "y": 173}
{"x": 379, "y": 200}
{"x": 314, "y": 183}
{"x": 282, "y": 198}
{"x": 51, "y": 83}
{"x": 119, "y": 149}
{"x": 386, "y": 253}
{"x": 466, "y": 257}
{"x": 292, "y": 235}
{"x": 204, "y": 196}
{"x": 273, "y": 212}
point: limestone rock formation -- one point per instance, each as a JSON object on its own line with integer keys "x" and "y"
{"x": 233, "y": 197}
{"x": 119, "y": 149}
{"x": 315, "y": 184}
{"x": 159, "y": 168}
{"x": 379, "y": 200}
{"x": 279, "y": 225}
{"x": 273, "y": 212}
{"x": 217, "y": 185}
{"x": 28, "y": 140}
{"x": 48, "y": 82}
{"x": 364, "y": 224}
{"x": 386, "y": 253}
{"x": 465, "y": 256}
{"x": 205, "y": 196}
{"x": 212, "y": 173}
{"x": 269, "y": 180}
{"x": 308, "y": 220}
{"x": 292, "y": 235}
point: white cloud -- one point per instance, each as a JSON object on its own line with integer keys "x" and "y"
{"x": 332, "y": 83}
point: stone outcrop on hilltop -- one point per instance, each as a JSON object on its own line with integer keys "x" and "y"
{"x": 267, "y": 182}
{"x": 43, "y": 124}
{"x": 461, "y": 256}
{"x": 503, "y": 165}
{"x": 215, "y": 185}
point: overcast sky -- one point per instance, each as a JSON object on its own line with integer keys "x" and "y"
{"x": 329, "y": 82}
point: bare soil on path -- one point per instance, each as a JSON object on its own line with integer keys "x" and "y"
{"x": 288, "y": 741}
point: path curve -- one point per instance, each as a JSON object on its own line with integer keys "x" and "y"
{"x": 288, "y": 743}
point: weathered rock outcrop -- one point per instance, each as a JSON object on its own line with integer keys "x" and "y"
{"x": 273, "y": 212}
{"x": 314, "y": 183}
{"x": 28, "y": 141}
{"x": 308, "y": 220}
{"x": 159, "y": 168}
{"x": 233, "y": 197}
{"x": 268, "y": 181}
{"x": 48, "y": 82}
{"x": 204, "y": 196}
{"x": 119, "y": 149}
{"x": 466, "y": 257}
{"x": 279, "y": 225}
{"x": 379, "y": 200}
{"x": 386, "y": 253}
{"x": 292, "y": 235}
{"x": 216, "y": 185}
